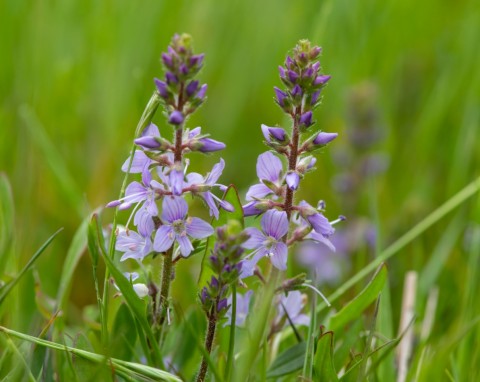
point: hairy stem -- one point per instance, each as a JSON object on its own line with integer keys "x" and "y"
{"x": 212, "y": 324}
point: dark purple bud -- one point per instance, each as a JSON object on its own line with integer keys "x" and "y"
{"x": 306, "y": 118}
{"x": 324, "y": 138}
{"x": 293, "y": 180}
{"x": 192, "y": 88}
{"x": 167, "y": 60}
{"x": 209, "y": 145}
{"x": 214, "y": 282}
{"x": 197, "y": 60}
{"x": 176, "y": 118}
{"x": 161, "y": 87}
{"x": 302, "y": 57}
{"x": 222, "y": 304}
{"x": 213, "y": 259}
{"x": 227, "y": 268}
{"x": 201, "y": 93}
{"x": 315, "y": 97}
{"x": 308, "y": 73}
{"x": 281, "y": 70}
{"x": 289, "y": 62}
{"x": 204, "y": 295}
{"x": 183, "y": 69}
{"x": 276, "y": 133}
{"x": 281, "y": 95}
{"x": 320, "y": 80}
{"x": 147, "y": 142}
{"x": 292, "y": 76}
{"x": 297, "y": 91}
{"x": 171, "y": 78}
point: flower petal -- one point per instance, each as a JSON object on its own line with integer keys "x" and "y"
{"x": 144, "y": 222}
{"x": 164, "y": 238}
{"x": 174, "y": 208}
{"x": 135, "y": 192}
{"x": 140, "y": 160}
{"x": 248, "y": 265}
{"x": 275, "y": 223}
{"x": 198, "y": 228}
{"x": 257, "y": 191}
{"x": 256, "y": 239}
{"x": 185, "y": 246}
{"x": 321, "y": 239}
{"x": 217, "y": 170}
{"x": 207, "y": 196}
{"x": 279, "y": 258}
{"x": 151, "y": 130}
{"x": 269, "y": 167}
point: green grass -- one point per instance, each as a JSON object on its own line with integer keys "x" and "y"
{"x": 75, "y": 77}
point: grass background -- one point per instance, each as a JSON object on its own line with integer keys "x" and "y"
{"x": 75, "y": 76}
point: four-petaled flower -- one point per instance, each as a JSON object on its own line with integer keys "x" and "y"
{"x": 177, "y": 227}
{"x": 267, "y": 242}
{"x": 269, "y": 168}
{"x": 134, "y": 245}
{"x": 292, "y": 306}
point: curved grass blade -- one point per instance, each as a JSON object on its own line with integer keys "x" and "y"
{"x": 5, "y": 290}
{"x": 323, "y": 364}
{"x": 130, "y": 368}
{"x": 6, "y": 220}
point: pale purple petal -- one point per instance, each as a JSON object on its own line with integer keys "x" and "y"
{"x": 194, "y": 132}
{"x": 275, "y": 223}
{"x": 255, "y": 240}
{"x": 321, "y": 239}
{"x": 269, "y": 167}
{"x": 248, "y": 265}
{"x": 151, "y": 206}
{"x": 194, "y": 178}
{"x": 164, "y": 238}
{"x": 258, "y": 191}
{"x": 279, "y": 258}
{"x": 174, "y": 208}
{"x": 140, "y": 160}
{"x": 198, "y": 228}
{"x": 151, "y": 130}
{"x": 213, "y": 209}
{"x": 185, "y": 246}
{"x": 146, "y": 177}
{"x": 293, "y": 180}
{"x": 135, "y": 192}
{"x": 217, "y": 170}
{"x": 320, "y": 224}
{"x": 144, "y": 222}
{"x": 176, "y": 181}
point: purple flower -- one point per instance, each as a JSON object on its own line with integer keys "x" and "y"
{"x": 323, "y": 138}
{"x": 276, "y": 133}
{"x": 319, "y": 223}
{"x": 139, "y": 162}
{"x": 161, "y": 87}
{"x": 171, "y": 78}
{"x": 241, "y": 311}
{"x": 176, "y": 118}
{"x": 191, "y": 88}
{"x": 297, "y": 91}
{"x": 292, "y": 76}
{"x": 267, "y": 242}
{"x": 306, "y": 119}
{"x": 292, "y": 306}
{"x": 197, "y": 60}
{"x": 249, "y": 209}
{"x": 269, "y": 168}
{"x": 195, "y": 179}
{"x": 281, "y": 95}
{"x": 320, "y": 80}
{"x": 292, "y": 179}
{"x": 176, "y": 180}
{"x": 177, "y": 227}
{"x": 210, "y": 145}
{"x": 134, "y": 245}
{"x": 149, "y": 140}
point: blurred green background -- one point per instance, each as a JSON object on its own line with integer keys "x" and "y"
{"x": 76, "y": 75}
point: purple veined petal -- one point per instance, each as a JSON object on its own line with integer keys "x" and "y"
{"x": 320, "y": 224}
{"x": 275, "y": 223}
{"x": 194, "y": 132}
{"x": 226, "y": 205}
{"x": 243, "y": 307}
{"x": 176, "y": 181}
{"x": 279, "y": 256}
{"x": 198, "y": 228}
{"x": 301, "y": 319}
{"x": 151, "y": 131}
{"x": 151, "y": 206}
{"x": 185, "y": 245}
{"x": 140, "y": 160}
{"x": 144, "y": 222}
{"x": 269, "y": 167}
{"x": 293, "y": 180}
{"x": 132, "y": 255}
{"x": 256, "y": 239}
{"x": 248, "y": 265}
{"x": 207, "y": 196}
{"x": 156, "y": 186}
{"x": 318, "y": 237}
{"x": 128, "y": 241}
{"x": 146, "y": 177}
{"x": 164, "y": 178}
{"x": 164, "y": 238}
{"x": 194, "y": 178}
{"x": 174, "y": 208}
{"x": 258, "y": 191}
{"x": 135, "y": 192}
{"x": 217, "y": 170}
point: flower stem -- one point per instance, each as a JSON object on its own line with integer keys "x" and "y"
{"x": 292, "y": 160}
{"x": 212, "y": 324}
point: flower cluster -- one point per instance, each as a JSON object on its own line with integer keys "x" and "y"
{"x": 280, "y": 170}
{"x": 225, "y": 262}
{"x": 159, "y": 210}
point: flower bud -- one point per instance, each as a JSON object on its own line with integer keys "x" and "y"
{"x": 306, "y": 119}
{"x": 292, "y": 179}
{"x": 276, "y": 133}
{"x": 191, "y": 88}
{"x": 176, "y": 118}
{"x": 306, "y": 164}
{"x": 171, "y": 78}
{"x": 281, "y": 95}
{"x": 321, "y": 80}
{"x": 324, "y": 138}
{"x": 201, "y": 93}
{"x": 162, "y": 88}
{"x": 207, "y": 145}
{"x": 167, "y": 60}
{"x": 141, "y": 290}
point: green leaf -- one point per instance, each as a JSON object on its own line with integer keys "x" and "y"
{"x": 124, "y": 368}
{"x": 355, "y": 307}
{"x": 323, "y": 363}
{"x": 6, "y": 220}
{"x": 5, "y": 290}
{"x": 289, "y": 361}
{"x": 123, "y": 342}
{"x": 231, "y": 196}
{"x": 137, "y": 306}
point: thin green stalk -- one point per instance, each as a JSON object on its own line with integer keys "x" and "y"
{"x": 308, "y": 363}
{"x": 231, "y": 345}
{"x": 145, "y": 119}
{"x": 452, "y": 203}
